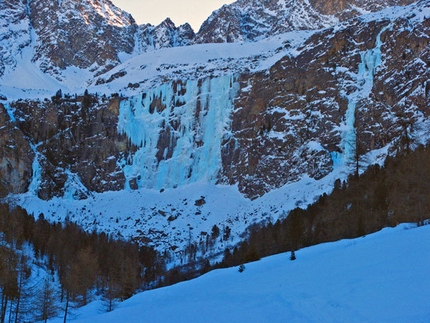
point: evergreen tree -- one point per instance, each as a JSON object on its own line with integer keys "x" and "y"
{"x": 293, "y": 255}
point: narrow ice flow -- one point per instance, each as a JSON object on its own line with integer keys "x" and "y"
{"x": 178, "y": 129}
{"x": 37, "y": 172}
{"x": 370, "y": 59}
{"x": 10, "y": 112}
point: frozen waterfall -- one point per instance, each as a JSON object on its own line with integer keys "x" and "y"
{"x": 370, "y": 59}
{"x": 178, "y": 128}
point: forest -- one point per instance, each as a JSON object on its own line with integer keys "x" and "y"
{"x": 77, "y": 261}
{"x": 382, "y": 196}
{"x": 48, "y": 269}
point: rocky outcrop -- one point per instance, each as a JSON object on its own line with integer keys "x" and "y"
{"x": 77, "y": 143}
{"x": 246, "y": 20}
{"x": 16, "y": 156}
{"x": 83, "y": 34}
{"x": 347, "y": 9}
{"x": 15, "y": 33}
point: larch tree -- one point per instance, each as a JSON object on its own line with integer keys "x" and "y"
{"x": 46, "y": 301}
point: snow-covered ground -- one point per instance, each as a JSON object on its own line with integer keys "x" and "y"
{"x": 171, "y": 219}
{"x": 383, "y": 277}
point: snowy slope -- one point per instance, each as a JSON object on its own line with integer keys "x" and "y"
{"x": 169, "y": 219}
{"x": 379, "y": 278}
{"x": 153, "y": 68}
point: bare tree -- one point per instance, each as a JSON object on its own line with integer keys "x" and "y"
{"x": 24, "y": 291}
{"x": 46, "y": 301}
{"x": 83, "y": 273}
{"x": 111, "y": 294}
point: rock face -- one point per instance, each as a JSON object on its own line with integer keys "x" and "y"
{"x": 77, "y": 144}
{"x": 82, "y": 34}
{"x": 343, "y": 92}
{"x": 251, "y": 20}
{"x": 16, "y": 156}
{"x": 14, "y": 33}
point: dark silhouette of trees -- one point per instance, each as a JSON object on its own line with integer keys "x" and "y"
{"x": 24, "y": 291}
{"x": 8, "y": 279}
{"x": 83, "y": 273}
{"x": 82, "y": 262}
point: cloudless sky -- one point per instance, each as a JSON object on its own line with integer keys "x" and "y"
{"x": 180, "y": 11}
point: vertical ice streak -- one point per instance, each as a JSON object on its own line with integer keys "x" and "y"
{"x": 370, "y": 59}
{"x": 193, "y": 115}
{"x": 10, "y": 112}
{"x": 37, "y": 172}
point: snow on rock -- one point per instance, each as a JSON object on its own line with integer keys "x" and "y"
{"x": 169, "y": 218}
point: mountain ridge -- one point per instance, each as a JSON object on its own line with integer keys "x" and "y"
{"x": 95, "y": 34}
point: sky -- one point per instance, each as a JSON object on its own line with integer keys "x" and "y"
{"x": 155, "y": 11}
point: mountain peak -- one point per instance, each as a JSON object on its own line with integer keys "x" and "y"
{"x": 167, "y": 23}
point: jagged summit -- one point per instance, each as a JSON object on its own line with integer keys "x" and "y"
{"x": 89, "y": 34}
{"x": 59, "y": 34}
{"x": 164, "y": 35}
